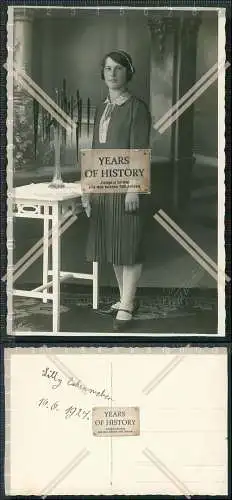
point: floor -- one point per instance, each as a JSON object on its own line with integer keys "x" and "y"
{"x": 178, "y": 311}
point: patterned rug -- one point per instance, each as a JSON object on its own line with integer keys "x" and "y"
{"x": 169, "y": 311}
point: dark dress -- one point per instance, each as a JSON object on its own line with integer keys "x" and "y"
{"x": 116, "y": 236}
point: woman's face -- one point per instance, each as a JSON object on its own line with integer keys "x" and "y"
{"x": 114, "y": 74}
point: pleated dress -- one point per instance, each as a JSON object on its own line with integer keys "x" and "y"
{"x": 116, "y": 236}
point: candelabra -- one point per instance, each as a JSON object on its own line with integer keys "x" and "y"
{"x": 74, "y": 109}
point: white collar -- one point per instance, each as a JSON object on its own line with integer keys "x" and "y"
{"x": 119, "y": 100}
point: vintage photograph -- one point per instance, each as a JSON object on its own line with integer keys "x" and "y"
{"x": 132, "y": 101}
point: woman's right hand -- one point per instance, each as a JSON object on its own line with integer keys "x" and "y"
{"x": 131, "y": 202}
{"x": 85, "y": 200}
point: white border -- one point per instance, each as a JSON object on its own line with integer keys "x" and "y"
{"x": 10, "y": 163}
{"x": 114, "y": 7}
{"x": 113, "y": 335}
{"x": 221, "y": 173}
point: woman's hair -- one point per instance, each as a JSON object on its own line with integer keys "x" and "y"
{"x": 122, "y": 58}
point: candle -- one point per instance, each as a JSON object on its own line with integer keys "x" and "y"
{"x": 77, "y": 140}
{"x": 57, "y": 147}
{"x": 71, "y": 107}
{"x": 57, "y": 97}
{"x": 77, "y": 103}
{"x": 35, "y": 120}
{"x": 42, "y": 125}
{"x": 88, "y": 115}
{"x": 61, "y": 105}
{"x": 68, "y": 107}
{"x": 48, "y": 119}
{"x": 80, "y": 114}
{"x": 64, "y": 95}
{"x": 64, "y": 86}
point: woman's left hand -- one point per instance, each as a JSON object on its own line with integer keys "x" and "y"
{"x": 131, "y": 202}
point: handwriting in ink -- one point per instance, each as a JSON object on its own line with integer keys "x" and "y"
{"x": 73, "y": 411}
{"x": 77, "y": 383}
{"x": 44, "y": 403}
{"x": 52, "y": 375}
{"x": 56, "y": 378}
{"x": 69, "y": 412}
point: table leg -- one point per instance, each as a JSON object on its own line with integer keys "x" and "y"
{"x": 45, "y": 251}
{"x": 95, "y": 285}
{"x": 56, "y": 266}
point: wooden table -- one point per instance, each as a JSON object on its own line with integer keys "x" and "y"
{"x": 58, "y": 208}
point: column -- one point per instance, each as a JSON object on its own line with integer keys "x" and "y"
{"x": 23, "y": 103}
{"x": 183, "y": 137}
{"x": 173, "y": 73}
{"x": 163, "y": 30}
{"x": 23, "y": 26}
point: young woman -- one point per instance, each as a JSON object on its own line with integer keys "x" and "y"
{"x": 117, "y": 220}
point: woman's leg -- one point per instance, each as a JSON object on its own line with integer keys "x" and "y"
{"x": 131, "y": 275}
{"x": 119, "y": 276}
